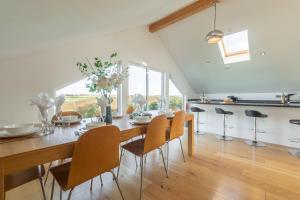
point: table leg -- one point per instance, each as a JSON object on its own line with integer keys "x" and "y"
{"x": 2, "y": 192}
{"x": 191, "y": 137}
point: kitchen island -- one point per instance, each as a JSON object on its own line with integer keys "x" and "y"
{"x": 275, "y": 128}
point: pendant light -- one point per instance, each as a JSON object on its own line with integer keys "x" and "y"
{"x": 216, "y": 35}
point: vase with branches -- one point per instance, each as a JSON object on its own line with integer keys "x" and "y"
{"x": 104, "y": 76}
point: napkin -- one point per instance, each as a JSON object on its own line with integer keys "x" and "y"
{"x": 43, "y": 102}
{"x": 58, "y": 102}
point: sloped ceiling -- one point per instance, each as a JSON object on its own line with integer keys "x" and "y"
{"x": 35, "y": 24}
{"x": 273, "y": 27}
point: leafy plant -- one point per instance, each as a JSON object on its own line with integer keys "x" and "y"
{"x": 103, "y": 75}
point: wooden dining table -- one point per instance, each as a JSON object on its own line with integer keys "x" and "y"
{"x": 23, "y": 153}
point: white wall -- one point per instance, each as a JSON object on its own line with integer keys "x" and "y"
{"x": 24, "y": 76}
{"x": 277, "y": 127}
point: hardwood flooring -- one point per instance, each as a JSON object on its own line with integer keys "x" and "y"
{"x": 218, "y": 171}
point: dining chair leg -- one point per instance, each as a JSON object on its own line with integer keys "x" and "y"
{"x": 162, "y": 155}
{"x": 91, "y": 186}
{"x": 52, "y": 190}
{"x": 181, "y": 149}
{"x": 136, "y": 163}
{"x": 117, "y": 184}
{"x": 60, "y": 194}
{"x": 122, "y": 151}
{"x": 70, "y": 194}
{"x": 101, "y": 180}
{"x": 43, "y": 189}
{"x": 167, "y": 155}
{"x": 142, "y": 168}
{"x": 47, "y": 174}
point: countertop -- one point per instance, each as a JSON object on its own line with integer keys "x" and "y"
{"x": 250, "y": 103}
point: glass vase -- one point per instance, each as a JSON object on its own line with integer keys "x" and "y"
{"x": 47, "y": 127}
{"x": 108, "y": 115}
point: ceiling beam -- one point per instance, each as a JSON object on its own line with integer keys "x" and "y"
{"x": 178, "y": 15}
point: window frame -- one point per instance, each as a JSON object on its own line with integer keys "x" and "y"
{"x": 147, "y": 68}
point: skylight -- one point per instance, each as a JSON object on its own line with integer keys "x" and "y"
{"x": 235, "y": 47}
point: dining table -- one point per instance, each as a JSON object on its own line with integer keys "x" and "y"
{"x": 25, "y": 152}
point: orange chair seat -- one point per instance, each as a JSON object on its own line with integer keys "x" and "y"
{"x": 136, "y": 147}
{"x": 61, "y": 174}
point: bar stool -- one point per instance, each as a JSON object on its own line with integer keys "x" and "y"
{"x": 255, "y": 114}
{"x": 198, "y": 111}
{"x": 224, "y": 113}
{"x": 295, "y": 152}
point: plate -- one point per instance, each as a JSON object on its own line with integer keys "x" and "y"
{"x": 70, "y": 121}
{"x": 140, "y": 122}
{"x": 18, "y": 130}
{"x": 94, "y": 125}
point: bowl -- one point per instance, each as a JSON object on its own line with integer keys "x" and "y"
{"x": 141, "y": 118}
{"x": 94, "y": 125}
{"x": 69, "y": 118}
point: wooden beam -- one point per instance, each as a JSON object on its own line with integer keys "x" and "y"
{"x": 185, "y": 12}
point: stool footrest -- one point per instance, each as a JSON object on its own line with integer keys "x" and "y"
{"x": 255, "y": 143}
{"x": 294, "y": 139}
{"x": 225, "y": 138}
{"x": 294, "y": 152}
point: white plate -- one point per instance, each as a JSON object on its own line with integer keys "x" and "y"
{"x": 140, "y": 122}
{"x": 19, "y": 130}
{"x": 94, "y": 125}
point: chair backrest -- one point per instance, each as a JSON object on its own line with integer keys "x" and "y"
{"x": 67, "y": 113}
{"x": 95, "y": 152}
{"x": 156, "y": 133}
{"x": 177, "y": 127}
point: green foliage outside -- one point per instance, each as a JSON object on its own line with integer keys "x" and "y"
{"x": 175, "y": 103}
{"x": 153, "y": 105}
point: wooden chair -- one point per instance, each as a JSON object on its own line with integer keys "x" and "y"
{"x": 176, "y": 131}
{"x": 155, "y": 138}
{"x": 95, "y": 152}
{"x": 53, "y": 120}
{"x": 17, "y": 179}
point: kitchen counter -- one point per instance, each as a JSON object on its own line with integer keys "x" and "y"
{"x": 249, "y": 103}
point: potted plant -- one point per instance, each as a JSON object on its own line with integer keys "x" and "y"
{"x": 103, "y": 77}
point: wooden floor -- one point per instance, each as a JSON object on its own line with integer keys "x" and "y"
{"x": 219, "y": 170}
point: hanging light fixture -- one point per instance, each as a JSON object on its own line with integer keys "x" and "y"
{"x": 216, "y": 35}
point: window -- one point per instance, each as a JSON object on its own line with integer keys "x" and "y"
{"x": 154, "y": 89}
{"x": 78, "y": 98}
{"x": 175, "y": 97}
{"x": 235, "y": 47}
{"x": 146, "y": 82}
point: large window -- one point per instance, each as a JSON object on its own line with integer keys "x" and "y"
{"x": 175, "y": 97}
{"x": 146, "y": 82}
{"x": 78, "y": 98}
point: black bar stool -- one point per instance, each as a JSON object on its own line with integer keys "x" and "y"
{"x": 224, "y": 113}
{"x": 295, "y": 152}
{"x": 255, "y": 114}
{"x": 198, "y": 111}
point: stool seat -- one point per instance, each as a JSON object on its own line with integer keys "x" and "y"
{"x": 255, "y": 113}
{"x": 196, "y": 109}
{"x": 295, "y": 121}
{"x": 223, "y": 112}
